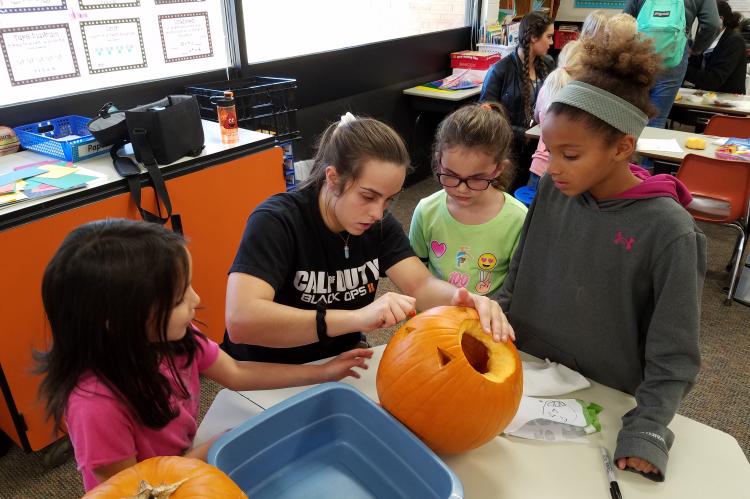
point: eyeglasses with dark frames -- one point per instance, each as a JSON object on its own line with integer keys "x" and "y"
{"x": 475, "y": 184}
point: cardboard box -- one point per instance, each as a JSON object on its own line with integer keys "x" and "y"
{"x": 469, "y": 59}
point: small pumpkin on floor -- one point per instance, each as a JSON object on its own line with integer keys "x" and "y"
{"x": 444, "y": 378}
{"x": 171, "y": 477}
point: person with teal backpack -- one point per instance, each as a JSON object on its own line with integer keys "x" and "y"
{"x": 664, "y": 22}
{"x": 668, "y": 23}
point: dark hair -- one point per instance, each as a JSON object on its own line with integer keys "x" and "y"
{"x": 730, "y": 19}
{"x": 533, "y": 24}
{"x": 483, "y": 126}
{"x": 625, "y": 66}
{"x": 108, "y": 284}
{"x": 348, "y": 144}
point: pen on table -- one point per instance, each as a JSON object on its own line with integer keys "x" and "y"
{"x": 614, "y": 489}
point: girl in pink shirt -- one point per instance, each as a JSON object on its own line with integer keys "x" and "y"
{"x": 123, "y": 368}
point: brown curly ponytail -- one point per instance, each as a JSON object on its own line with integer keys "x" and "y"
{"x": 533, "y": 24}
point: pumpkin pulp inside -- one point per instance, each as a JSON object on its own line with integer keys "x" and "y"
{"x": 492, "y": 360}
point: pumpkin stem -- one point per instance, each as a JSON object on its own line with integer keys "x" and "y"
{"x": 148, "y": 491}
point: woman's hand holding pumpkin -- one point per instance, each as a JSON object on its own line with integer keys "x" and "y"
{"x": 343, "y": 365}
{"x": 491, "y": 316}
{"x": 389, "y": 309}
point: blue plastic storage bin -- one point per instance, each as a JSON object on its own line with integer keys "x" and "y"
{"x": 331, "y": 441}
{"x": 49, "y": 138}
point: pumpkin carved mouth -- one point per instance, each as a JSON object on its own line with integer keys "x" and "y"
{"x": 476, "y": 353}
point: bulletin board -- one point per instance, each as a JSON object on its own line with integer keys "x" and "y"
{"x": 600, "y": 4}
{"x": 57, "y": 47}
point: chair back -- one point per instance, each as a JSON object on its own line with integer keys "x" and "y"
{"x": 720, "y": 188}
{"x": 728, "y": 126}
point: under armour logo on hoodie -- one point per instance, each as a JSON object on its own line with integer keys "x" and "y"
{"x": 628, "y": 243}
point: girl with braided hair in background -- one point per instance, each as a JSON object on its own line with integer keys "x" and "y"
{"x": 515, "y": 80}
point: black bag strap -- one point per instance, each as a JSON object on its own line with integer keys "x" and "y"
{"x": 128, "y": 169}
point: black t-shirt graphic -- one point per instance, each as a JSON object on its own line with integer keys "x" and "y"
{"x": 287, "y": 244}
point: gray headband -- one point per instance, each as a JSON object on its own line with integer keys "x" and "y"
{"x": 608, "y": 107}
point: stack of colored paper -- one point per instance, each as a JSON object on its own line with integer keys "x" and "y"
{"x": 42, "y": 179}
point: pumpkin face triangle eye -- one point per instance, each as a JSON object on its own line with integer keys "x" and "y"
{"x": 443, "y": 357}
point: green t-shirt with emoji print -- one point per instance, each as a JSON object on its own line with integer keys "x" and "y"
{"x": 475, "y": 257}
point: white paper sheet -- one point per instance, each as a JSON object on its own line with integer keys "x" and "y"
{"x": 551, "y": 420}
{"x": 664, "y": 145}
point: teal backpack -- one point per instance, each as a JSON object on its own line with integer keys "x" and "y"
{"x": 664, "y": 22}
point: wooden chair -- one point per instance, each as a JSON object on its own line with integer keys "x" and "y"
{"x": 728, "y": 126}
{"x": 721, "y": 192}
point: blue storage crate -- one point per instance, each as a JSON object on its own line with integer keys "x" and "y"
{"x": 49, "y": 138}
{"x": 331, "y": 441}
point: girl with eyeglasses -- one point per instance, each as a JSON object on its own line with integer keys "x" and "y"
{"x": 466, "y": 233}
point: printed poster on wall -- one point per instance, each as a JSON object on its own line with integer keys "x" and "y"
{"x": 113, "y": 45}
{"x": 38, "y": 53}
{"x": 107, "y": 4}
{"x": 21, "y": 6}
{"x": 185, "y": 36}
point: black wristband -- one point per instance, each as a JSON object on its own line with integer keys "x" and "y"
{"x": 320, "y": 323}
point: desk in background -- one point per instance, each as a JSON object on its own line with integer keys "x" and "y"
{"x": 736, "y": 104}
{"x": 437, "y": 103}
{"x": 214, "y": 193}
{"x": 442, "y": 101}
{"x": 704, "y": 462}
{"x": 662, "y": 133}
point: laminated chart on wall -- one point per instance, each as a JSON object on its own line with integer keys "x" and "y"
{"x": 600, "y": 4}
{"x": 57, "y": 47}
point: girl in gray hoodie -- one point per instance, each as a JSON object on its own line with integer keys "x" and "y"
{"x": 608, "y": 273}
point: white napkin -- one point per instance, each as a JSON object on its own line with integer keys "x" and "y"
{"x": 550, "y": 379}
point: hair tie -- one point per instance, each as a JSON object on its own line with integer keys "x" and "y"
{"x": 346, "y": 119}
{"x": 486, "y": 106}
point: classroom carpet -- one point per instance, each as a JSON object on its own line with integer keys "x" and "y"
{"x": 719, "y": 399}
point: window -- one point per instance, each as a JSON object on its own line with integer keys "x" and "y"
{"x": 58, "y": 47}
{"x": 287, "y": 28}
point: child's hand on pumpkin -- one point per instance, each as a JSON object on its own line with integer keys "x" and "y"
{"x": 389, "y": 309}
{"x": 637, "y": 464}
{"x": 491, "y": 316}
{"x": 343, "y": 365}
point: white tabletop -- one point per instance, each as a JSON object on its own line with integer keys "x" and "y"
{"x": 434, "y": 93}
{"x": 736, "y": 104}
{"x": 704, "y": 462}
{"x": 102, "y": 164}
{"x": 663, "y": 134}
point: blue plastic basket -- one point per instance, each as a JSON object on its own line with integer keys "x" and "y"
{"x": 330, "y": 441}
{"x": 67, "y": 138}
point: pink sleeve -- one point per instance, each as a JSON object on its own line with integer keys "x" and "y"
{"x": 100, "y": 429}
{"x": 541, "y": 104}
{"x": 207, "y": 354}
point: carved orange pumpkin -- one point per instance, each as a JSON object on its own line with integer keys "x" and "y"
{"x": 168, "y": 477}
{"x": 444, "y": 378}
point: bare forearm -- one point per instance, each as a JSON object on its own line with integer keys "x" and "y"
{"x": 433, "y": 293}
{"x": 267, "y": 376}
{"x": 266, "y": 323}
